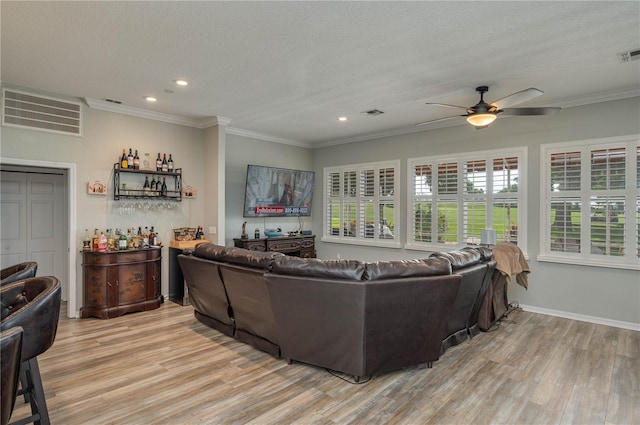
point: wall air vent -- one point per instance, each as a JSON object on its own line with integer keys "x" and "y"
{"x": 629, "y": 56}
{"x": 373, "y": 112}
{"x": 117, "y": 102}
{"x": 26, "y": 110}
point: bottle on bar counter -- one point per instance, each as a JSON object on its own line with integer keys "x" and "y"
{"x": 122, "y": 242}
{"x": 102, "y": 242}
{"x": 86, "y": 241}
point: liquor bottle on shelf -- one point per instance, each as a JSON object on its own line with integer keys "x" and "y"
{"x": 102, "y": 242}
{"x": 136, "y": 161}
{"x": 124, "y": 162}
{"x": 163, "y": 188}
{"x": 145, "y": 237}
{"x": 152, "y": 187}
{"x": 130, "y": 159}
{"x": 111, "y": 240}
{"x": 146, "y": 188}
{"x": 159, "y": 163}
{"x": 170, "y": 164}
{"x": 86, "y": 241}
{"x": 122, "y": 242}
{"x": 94, "y": 240}
{"x": 152, "y": 237}
{"x": 165, "y": 166}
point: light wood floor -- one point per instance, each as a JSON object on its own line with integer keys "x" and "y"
{"x": 165, "y": 367}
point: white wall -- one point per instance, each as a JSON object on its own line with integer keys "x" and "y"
{"x": 607, "y": 293}
{"x": 105, "y": 135}
{"x": 242, "y": 151}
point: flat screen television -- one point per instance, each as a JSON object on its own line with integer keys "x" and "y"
{"x": 277, "y": 192}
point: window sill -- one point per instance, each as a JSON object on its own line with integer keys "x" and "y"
{"x": 377, "y": 243}
{"x": 587, "y": 262}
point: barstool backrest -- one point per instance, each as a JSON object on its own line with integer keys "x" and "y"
{"x": 18, "y": 272}
{"x": 10, "y": 348}
{"x": 34, "y": 304}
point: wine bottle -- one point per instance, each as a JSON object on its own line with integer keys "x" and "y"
{"x": 136, "y": 161}
{"x": 146, "y": 187}
{"x": 152, "y": 187}
{"x": 145, "y": 237}
{"x": 170, "y": 164}
{"x": 124, "y": 162}
{"x": 165, "y": 166}
{"x": 130, "y": 159}
{"x": 158, "y": 163}
{"x": 163, "y": 189}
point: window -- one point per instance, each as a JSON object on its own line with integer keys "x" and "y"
{"x": 451, "y": 200}
{"x": 592, "y": 209}
{"x": 360, "y": 203}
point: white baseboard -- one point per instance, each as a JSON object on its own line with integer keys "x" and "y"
{"x": 582, "y": 317}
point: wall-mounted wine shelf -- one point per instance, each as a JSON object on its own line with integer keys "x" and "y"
{"x": 129, "y": 184}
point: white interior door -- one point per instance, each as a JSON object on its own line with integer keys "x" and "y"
{"x": 13, "y": 213}
{"x": 34, "y": 222}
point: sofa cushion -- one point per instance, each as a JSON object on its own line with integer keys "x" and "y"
{"x": 312, "y": 267}
{"x": 486, "y": 253}
{"x": 210, "y": 251}
{"x": 407, "y": 268}
{"x": 460, "y": 258}
{"x": 255, "y": 259}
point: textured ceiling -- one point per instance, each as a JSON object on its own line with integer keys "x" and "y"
{"x": 289, "y": 69}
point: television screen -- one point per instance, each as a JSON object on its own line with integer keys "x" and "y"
{"x": 277, "y": 192}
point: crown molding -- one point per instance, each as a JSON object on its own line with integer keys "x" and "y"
{"x": 599, "y": 97}
{"x": 267, "y": 137}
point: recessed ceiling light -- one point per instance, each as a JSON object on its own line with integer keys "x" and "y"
{"x": 182, "y": 82}
{"x": 150, "y": 98}
{"x": 342, "y": 118}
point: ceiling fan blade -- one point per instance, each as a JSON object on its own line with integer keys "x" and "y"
{"x": 529, "y": 111}
{"x": 446, "y": 105}
{"x": 517, "y": 98}
{"x": 439, "y": 119}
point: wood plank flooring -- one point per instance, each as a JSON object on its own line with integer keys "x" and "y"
{"x": 165, "y": 367}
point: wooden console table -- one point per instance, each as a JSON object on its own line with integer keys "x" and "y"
{"x": 298, "y": 246}
{"x": 119, "y": 282}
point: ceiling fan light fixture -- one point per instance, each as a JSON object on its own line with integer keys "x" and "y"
{"x": 481, "y": 120}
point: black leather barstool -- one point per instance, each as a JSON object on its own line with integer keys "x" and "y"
{"x": 18, "y": 272}
{"x": 10, "y": 351}
{"x": 33, "y": 304}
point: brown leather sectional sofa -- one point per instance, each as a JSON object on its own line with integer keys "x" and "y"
{"x": 346, "y": 315}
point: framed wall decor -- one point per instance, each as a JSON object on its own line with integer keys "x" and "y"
{"x": 189, "y": 192}
{"x": 96, "y": 187}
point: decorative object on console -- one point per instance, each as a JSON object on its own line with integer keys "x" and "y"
{"x": 244, "y": 231}
{"x": 488, "y": 237}
{"x": 273, "y": 233}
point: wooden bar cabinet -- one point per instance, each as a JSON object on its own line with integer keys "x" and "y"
{"x": 119, "y": 282}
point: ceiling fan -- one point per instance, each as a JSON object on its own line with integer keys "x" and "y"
{"x": 482, "y": 113}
